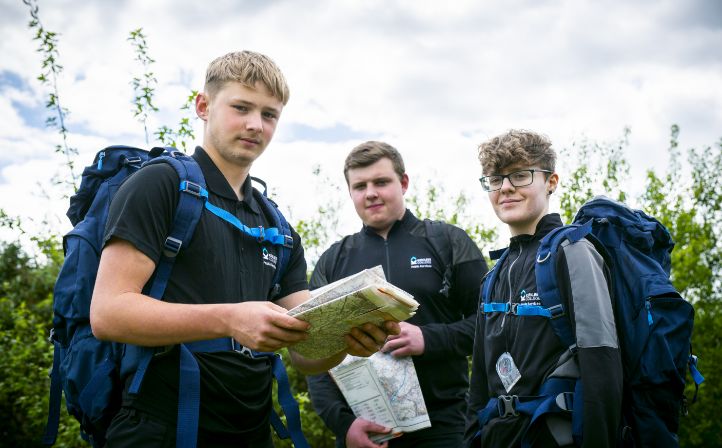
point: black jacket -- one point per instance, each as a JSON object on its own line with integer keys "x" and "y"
{"x": 446, "y": 322}
{"x": 537, "y": 352}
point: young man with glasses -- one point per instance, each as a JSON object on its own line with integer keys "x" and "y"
{"x": 515, "y": 354}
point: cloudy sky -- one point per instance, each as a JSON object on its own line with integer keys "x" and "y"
{"x": 432, "y": 78}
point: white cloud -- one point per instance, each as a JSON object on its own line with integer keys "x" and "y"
{"x": 432, "y": 78}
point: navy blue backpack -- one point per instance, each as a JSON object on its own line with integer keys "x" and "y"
{"x": 90, "y": 373}
{"x": 653, "y": 321}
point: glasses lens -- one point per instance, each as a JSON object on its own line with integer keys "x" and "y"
{"x": 521, "y": 178}
{"x": 492, "y": 183}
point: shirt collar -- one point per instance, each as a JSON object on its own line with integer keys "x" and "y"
{"x": 217, "y": 183}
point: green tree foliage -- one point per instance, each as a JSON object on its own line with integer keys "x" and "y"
{"x": 144, "y": 84}
{"x": 690, "y": 208}
{"x": 182, "y": 136}
{"x": 26, "y": 285}
{"x": 596, "y": 168}
{"x": 51, "y": 69}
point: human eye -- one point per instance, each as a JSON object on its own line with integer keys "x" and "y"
{"x": 241, "y": 107}
{"x": 495, "y": 181}
{"x": 521, "y": 176}
{"x": 270, "y": 115}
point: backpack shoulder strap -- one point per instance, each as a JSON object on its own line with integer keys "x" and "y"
{"x": 546, "y": 278}
{"x": 187, "y": 213}
{"x": 282, "y": 236}
{"x": 441, "y": 244}
{"x": 489, "y": 280}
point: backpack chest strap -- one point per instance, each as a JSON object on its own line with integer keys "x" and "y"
{"x": 519, "y": 309}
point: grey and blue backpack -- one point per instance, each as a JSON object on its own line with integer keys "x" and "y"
{"x": 654, "y": 326}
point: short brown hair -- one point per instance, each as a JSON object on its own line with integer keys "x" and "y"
{"x": 247, "y": 68}
{"x": 515, "y": 146}
{"x": 370, "y": 152}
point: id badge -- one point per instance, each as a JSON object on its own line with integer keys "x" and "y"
{"x": 507, "y": 371}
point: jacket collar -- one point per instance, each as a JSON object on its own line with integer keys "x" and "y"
{"x": 545, "y": 225}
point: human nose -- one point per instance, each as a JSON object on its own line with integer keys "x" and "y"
{"x": 254, "y": 122}
{"x": 371, "y": 192}
{"x": 506, "y": 184}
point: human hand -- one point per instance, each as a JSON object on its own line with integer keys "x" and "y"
{"x": 409, "y": 341}
{"x": 369, "y": 338}
{"x": 359, "y": 432}
{"x": 264, "y": 326}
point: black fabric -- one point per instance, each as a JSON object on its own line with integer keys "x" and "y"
{"x": 134, "y": 429}
{"x": 446, "y": 322}
{"x": 536, "y": 351}
{"x": 219, "y": 265}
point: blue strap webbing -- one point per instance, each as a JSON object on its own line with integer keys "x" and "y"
{"x": 496, "y": 307}
{"x": 287, "y": 402}
{"x": 56, "y": 389}
{"x": 490, "y": 278}
{"x": 189, "y": 399}
{"x": 519, "y": 310}
{"x": 272, "y": 235}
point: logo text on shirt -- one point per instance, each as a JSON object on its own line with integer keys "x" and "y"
{"x": 269, "y": 259}
{"x": 529, "y": 298}
{"x": 417, "y": 263}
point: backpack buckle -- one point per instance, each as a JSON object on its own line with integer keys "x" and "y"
{"x": 261, "y": 234}
{"x": 506, "y": 405}
{"x": 556, "y": 311}
{"x": 192, "y": 188}
{"x": 132, "y": 160}
{"x": 565, "y": 401}
{"x": 171, "y": 247}
{"x": 511, "y": 308}
{"x": 288, "y": 241}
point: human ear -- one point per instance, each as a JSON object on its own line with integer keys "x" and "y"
{"x": 202, "y": 101}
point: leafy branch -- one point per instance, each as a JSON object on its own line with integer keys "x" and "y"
{"x": 183, "y": 136}
{"x": 143, "y": 85}
{"x": 50, "y": 70}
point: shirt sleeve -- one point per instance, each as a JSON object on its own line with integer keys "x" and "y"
{"x": 457, "y": 338}
{"x": 585, "y": 283}
{"x": 295, "y": 277}
{"x": 141, "y": 212}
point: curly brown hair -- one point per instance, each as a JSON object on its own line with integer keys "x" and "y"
{"x": 516, "y": 146}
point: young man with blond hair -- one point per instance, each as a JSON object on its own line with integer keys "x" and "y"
{"x": 516, "y": 352}
{"x": 439, "y": 265}
{"x": 220, "y": 287}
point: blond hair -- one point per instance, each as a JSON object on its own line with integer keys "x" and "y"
{"x": 516, "y": 146}
{"x": 247, "y": 68}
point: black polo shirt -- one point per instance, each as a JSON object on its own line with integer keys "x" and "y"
{"x": 220, "y": 264}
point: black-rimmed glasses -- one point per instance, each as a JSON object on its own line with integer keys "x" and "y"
{"x": 520, "y": 178}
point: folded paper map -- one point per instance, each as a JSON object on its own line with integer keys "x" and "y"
{"x": 336, "y": 308}
{"x": 384, "y": 390}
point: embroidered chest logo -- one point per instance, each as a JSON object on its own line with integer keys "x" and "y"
{"x": 418, "y": 263}
{"x": 529, "y": 298}
{"x": 269, "y": 259}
